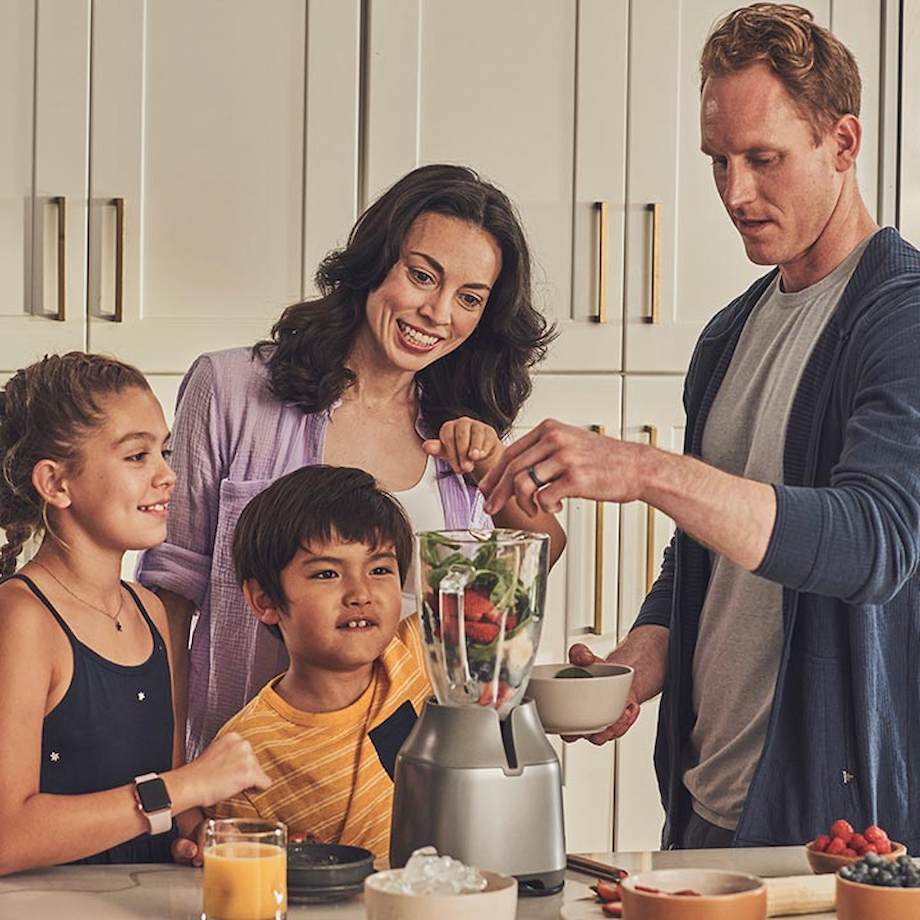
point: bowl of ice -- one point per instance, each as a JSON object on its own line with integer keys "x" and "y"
{"x": 439, "y": 886}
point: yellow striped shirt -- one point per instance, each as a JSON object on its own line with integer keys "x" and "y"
{"x": 327, "y": 775}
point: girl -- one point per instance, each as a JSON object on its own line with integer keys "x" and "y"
{"x": 90, "y": 761}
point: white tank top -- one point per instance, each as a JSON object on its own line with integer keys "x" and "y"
{"x": 422, "y": 504}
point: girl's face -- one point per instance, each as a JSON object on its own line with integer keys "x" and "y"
{"x": 433, "y": 297}
{"x": 120, "y": 492}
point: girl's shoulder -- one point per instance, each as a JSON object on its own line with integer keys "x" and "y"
{"x": 24, "y": 619}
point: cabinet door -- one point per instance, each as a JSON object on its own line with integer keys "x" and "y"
{"x": 224, "y": 152}
{"x": 44, "y": 90}
{"x": 652, "y": 411}
{"x": 909, "y": 204}
{"x": 531, "y": 94}
{"x": 694, "y": 263}
{"x": 581, "y": 599}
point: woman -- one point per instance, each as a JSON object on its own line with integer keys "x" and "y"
{"x": 412, "y": 365}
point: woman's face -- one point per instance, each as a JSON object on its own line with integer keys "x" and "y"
{"x": 433, "y": 297}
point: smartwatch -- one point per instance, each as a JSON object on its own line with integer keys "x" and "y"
{"x": 154, "y": 801}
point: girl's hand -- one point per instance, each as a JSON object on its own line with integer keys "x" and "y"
{"x": 227, "y": 767}
{"x": 468, "y": 446}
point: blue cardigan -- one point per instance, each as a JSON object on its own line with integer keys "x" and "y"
{"x": 843, "y": 739}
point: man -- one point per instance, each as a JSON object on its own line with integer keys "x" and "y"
{"x": 784, "y": 628}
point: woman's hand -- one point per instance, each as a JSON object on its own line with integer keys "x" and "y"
{"x": 468, "y": 446}
{"x": 227, "y": 767}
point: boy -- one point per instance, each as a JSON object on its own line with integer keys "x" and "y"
{"x": 321, "y": 555}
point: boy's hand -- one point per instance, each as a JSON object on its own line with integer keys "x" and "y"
{"x": 468, "y": 445}
{"x": 188, "y": 847}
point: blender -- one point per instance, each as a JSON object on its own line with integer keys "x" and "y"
{"x": 477, "y": 777}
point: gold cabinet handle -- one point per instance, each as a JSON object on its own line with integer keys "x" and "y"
{"x": 652, "y": 433}
{"x": 61, "y": 314}
{"x": 119, "y": 204}
{"x": 603, "y": 229}
{"x": 655, "y": 311}
{"x": 597, "y": 627}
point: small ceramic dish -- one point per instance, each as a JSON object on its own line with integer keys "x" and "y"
{"x": 822, "y": 863}
{"x": 319, "y": 872}
{"x": 497, "y": 902}
{"x": 579, "y": 705}
{"x": 861, "y": 902}
{"x": 720, "y": 895}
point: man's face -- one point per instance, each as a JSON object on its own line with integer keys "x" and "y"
{"x": 779, "y": 188}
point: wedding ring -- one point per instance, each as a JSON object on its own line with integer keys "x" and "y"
{"x": 534, "y": 478}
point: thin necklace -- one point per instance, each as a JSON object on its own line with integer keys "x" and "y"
{"x": 101, "y": 610}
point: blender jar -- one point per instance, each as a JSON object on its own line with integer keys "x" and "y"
{"x": 481, "y": 596}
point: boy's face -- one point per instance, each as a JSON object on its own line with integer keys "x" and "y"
{"x": 343, "y": 604}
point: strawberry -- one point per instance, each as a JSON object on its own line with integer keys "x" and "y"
{"x": 481, "y": 632}
{"x": 873, "y": 833}
{"x": 850, "y": 853}
{"x": 869, "y": 848}
{"x": 612, "y": 909}
{"x": 607, "y": 891}
{"x": 842, "y": 829}
{"x": 836, "y": 846}
{"x": 820, "y": 843}
{"x": 689, "y": 892}
{"x": 858, "y": 842}
{"x": 883, "y": 846}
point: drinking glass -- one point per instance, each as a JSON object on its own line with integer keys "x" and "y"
{"x": 245, "y": 870}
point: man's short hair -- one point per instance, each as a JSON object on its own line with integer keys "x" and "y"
{"x": 817, "y": 69}
{"x": 315, "y": 504}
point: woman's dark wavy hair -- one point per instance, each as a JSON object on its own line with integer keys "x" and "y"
{"x": 486, "y": 377}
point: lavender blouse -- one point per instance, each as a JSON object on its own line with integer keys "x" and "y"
{"x": 230, "y": 440}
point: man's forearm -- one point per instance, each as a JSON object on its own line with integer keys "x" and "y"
{"x": 732, "y": 516}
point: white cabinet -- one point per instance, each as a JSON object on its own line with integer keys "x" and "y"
{"x": 44, "y": 90}
{"x": 531, "y": 94}
{"x": 223, "y": 167}
{"x": 652, "y": 411}
{"x": 581, "y": 599}
{"x": 684, "y": 257}
{"x": 909, "y": 203}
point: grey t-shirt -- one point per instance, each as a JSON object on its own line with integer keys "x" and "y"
{"x": 741, "y": 631}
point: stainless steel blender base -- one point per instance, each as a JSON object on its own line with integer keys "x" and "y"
{"x": 485, "y": 792}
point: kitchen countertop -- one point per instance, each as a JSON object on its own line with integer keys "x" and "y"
{"x": 174, "y": 892}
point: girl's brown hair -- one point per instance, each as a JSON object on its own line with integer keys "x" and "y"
{"x": 45, "y": 410}
{"x": 817, "y": 69}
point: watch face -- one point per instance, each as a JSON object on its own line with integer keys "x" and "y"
{"x": 153, "y": 795}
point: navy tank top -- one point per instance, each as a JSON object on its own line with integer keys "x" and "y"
{"x": 114, "y": 722}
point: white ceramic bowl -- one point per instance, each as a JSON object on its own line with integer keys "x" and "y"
{"x": 497, "y": 902}
{"x": 579, "y": 705}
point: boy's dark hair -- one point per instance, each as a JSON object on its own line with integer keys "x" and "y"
{"x": 315, "y": 503}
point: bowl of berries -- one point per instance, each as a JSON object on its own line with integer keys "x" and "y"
{"x": 843, "y": 845}
{"x": 876, "y": 887}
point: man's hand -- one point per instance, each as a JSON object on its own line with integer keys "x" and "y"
{"x": 583, "y": 656}
{"x": 468, "y": 445}
{"x": 557, "y": 461}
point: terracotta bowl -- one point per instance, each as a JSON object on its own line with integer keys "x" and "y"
{"x": 497, "y": 902}
{"x": 579, "y": 705}
{"x": 822, "y": 863}
{"x": 862, "y": 902}
{"x": 722, "y": 895}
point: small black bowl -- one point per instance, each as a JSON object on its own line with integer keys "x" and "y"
{"x": 314, "y": 868}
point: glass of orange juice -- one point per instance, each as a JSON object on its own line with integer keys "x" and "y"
{"x": 245, "y": 870}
